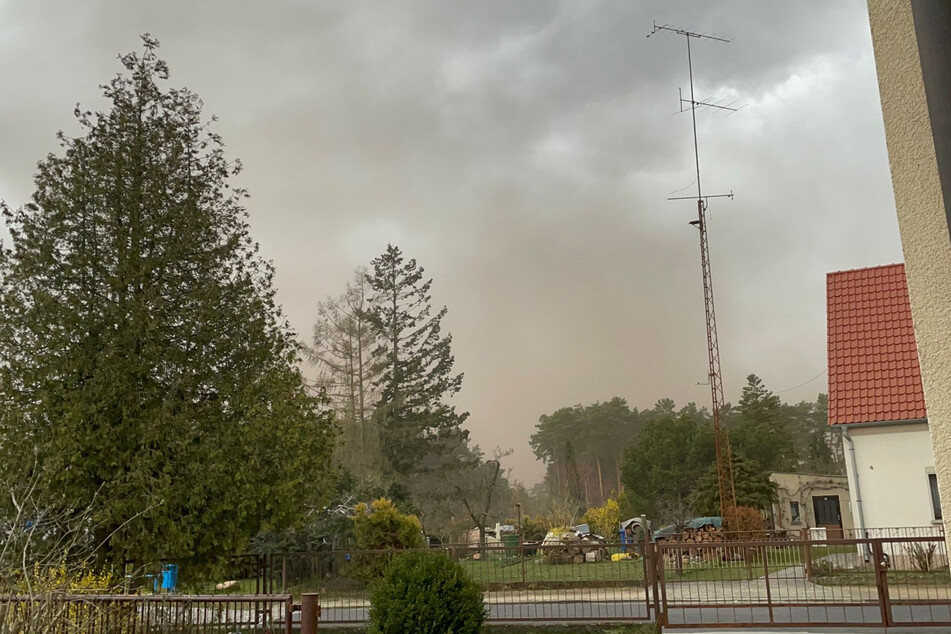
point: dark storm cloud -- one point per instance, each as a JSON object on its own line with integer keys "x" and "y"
{"x": 523, "y": 153}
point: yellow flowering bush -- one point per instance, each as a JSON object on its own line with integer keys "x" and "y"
{"x": 68, "y": 580}
{"x": 605, "y": 519}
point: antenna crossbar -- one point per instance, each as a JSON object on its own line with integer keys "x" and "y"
{"x": 667, "y": 27}
{"x": 703, "y": 104}
{"x": 706, "y": 104}
{"x": 704, "y": 197}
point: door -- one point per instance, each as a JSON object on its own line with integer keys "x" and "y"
{"x": 828, "y": 515}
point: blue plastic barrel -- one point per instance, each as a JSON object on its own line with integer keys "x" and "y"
{"x": 169, "y": 577}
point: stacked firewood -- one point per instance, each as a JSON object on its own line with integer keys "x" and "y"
{"x": 702, "y": 535}
{"x": 706, "y": 535}
{"x": 576, "y": 549}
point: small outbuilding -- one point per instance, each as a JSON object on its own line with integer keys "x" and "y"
{"x": 812, "y": 501}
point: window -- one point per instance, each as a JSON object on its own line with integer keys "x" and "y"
{"x": 794, "y": 515}
{"x": 935, "y": 498}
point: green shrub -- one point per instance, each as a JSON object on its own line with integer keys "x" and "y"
{"x": 381, "y": 526}
{"x": 425, "y": 593}
{"x": 379, "y": 529}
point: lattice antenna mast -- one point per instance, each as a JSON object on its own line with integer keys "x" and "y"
{"x": 727, "y": 488}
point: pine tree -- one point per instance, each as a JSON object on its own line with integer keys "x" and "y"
{"x": 761, "y": 432}
{"x": 418, "y": 427}
{"x": 753, "y": 487}
{"x": 147, "y": 372}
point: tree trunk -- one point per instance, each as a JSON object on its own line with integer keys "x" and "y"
{"x": 600, "y": 479}
{"x": 617, "y": 469}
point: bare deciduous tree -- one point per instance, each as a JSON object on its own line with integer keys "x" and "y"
{"x": 341, "y": 350}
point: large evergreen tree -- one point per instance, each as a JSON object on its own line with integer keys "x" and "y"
{"x": 761, "y": 432}
{"x": 818, "y": 445}
{"x": 147, "y": 373}
{"x": 418, "y": 427}
{"x": 662, "y": 466}
{"x": 752, "y": 485}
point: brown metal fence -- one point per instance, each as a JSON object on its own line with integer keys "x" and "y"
{"x": 579, "y": 582}
{"x": 873, "y": 577}
{"x": 898, "y": 578}
{"x": 128, "y": 614}
{"x": 849, "y": 582}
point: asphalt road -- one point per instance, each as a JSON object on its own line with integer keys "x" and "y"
{"x": 832, "y": 615}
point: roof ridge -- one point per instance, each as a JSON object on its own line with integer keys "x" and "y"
{"x": 867, "y": 268}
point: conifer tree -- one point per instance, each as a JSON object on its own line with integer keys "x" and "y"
{"x": 147, "y": 373}
{"x": 418, "y": 427}
{"x": 760, "y": 431}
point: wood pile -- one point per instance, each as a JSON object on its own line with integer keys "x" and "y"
{"x": 706, "y": 535}
{"x": 710, "y": 535}
{"x": 703, "y": 535}
{"x": 576, "y": 549}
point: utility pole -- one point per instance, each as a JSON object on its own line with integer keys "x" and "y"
{"x": 727, "y": 488}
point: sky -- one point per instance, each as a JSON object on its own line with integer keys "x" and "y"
{"x": 523, "y": 153}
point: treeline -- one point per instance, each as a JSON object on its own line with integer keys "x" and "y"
{"x": 657, "y": 457}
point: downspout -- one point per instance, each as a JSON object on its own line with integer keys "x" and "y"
{"x": 858, "y": 488}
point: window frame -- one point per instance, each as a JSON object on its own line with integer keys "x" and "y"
{"x": 934, "y": 495}
{"x": 795, "y": 517}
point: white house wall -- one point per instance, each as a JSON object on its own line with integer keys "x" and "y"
{"x": 893, "y": 463}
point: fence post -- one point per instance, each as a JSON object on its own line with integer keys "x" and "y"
{"x": 289, "y": 615}
{"x": 769, "y": 594}
{"x": 807, "y": 554}
{"x": 521, "y": 547}
{"x": 881, "y": 582}
{"x": 284, "y": 574}
{"x": 309, "y": 611}
{"x": 660, "y": 580}
{"x": 649, "y": 550}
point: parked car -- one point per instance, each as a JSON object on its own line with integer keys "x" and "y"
{"x": 695, "y": 524}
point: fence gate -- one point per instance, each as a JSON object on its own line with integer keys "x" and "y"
{"x": 882, "y": 581}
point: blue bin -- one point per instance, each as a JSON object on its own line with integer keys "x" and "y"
{"x": 169, "y": 579}
{"x": 623, "y": 535}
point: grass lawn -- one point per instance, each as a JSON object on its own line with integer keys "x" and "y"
{"x": 538, "y": 572}
{"x": 501, "y": 574}
{"x": 245, "y": 586}
{"x": 865, "y": 576}
{"x": 750, "y": 566}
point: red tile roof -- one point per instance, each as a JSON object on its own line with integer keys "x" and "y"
{"x": 873, "y": 358}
